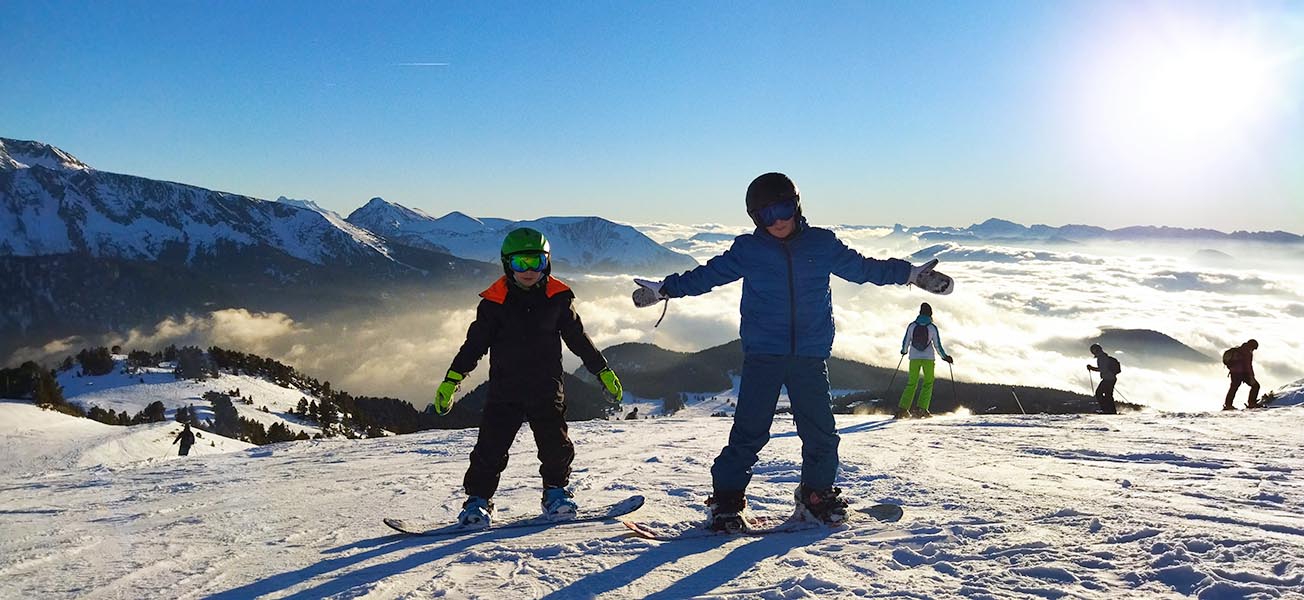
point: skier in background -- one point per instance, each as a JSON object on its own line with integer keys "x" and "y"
{"x": 1109, "y": 368}
{"x": 633, "y": 415}
{"x": 920, "y": 339}
{"x": 187, "y": 439}
{"x": 787, "y": 335}
{"x": 1240, "y": 368}
{"x": 521, "y": 321}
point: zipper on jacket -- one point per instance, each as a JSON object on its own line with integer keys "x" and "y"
{"x": 792, "y": 301}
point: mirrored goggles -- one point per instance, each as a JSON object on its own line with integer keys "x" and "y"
{"x": 778, "y": 211}
{"x": 527, "y": 262}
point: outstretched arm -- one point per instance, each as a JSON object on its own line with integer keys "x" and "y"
{"x": 718, "y": 271}
{"x": 857, "y": 268}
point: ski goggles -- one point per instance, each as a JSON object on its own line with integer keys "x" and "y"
{"x": 527, "y": 262}
{"x": 779, "y": 211}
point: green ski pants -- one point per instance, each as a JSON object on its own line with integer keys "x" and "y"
{"x": 925, "y": 390}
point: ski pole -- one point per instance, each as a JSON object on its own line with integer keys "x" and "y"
{"x": 954, "y": 399}
{"x": 893, "y": 380}
{"x": 1016, "y": 401}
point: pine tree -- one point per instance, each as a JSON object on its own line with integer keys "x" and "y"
{"x": 48, "y": 391}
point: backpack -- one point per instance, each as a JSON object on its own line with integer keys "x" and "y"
{"x": 1232, "y": 357}
{"x": 919, "y": 338}
{"x": 1115, "y": 365}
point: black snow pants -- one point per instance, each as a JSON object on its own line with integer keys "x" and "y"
{"x": 1237, "y": 380}
{"x": 1105, "y": 396}
{"x": 503, "y": 416}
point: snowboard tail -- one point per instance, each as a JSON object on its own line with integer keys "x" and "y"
{"x": 431, "y": 528}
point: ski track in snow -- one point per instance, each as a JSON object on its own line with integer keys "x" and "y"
{"x": 1141, "y": 505}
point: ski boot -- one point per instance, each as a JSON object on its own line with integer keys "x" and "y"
{"x": 1228, "y": 407}
{"x": 826, "y": 506}
{"x": 557, "y": 504}
{"x": 725, "y": 512}
{"x": 902, "y": 413}
{"x": 923, "y": 414}
{"x": 477, "y": 512}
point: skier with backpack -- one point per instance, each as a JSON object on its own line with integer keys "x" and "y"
{"x": 920, "y": 339}
{"x": 1240, "y": 368}
{"x": 787, "y": 335}
{"x": 521, "y": 321}
{"x": 1109, "y": 368}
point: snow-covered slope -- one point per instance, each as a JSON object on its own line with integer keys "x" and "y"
{"x": 121, "y": 392}
{"x": 591, "y": 244}
{"x": 1153, "y": 505}
{"x": 52, "y": 203}
{"x": 35, "y": 441}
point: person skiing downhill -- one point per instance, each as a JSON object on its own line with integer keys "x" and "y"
{"x": 1108, "y": 368}
{"x": 920, "y": 339}
{"x": 787, "y": 335}
{"x": 1240, "y": 368}
{"x": 187, "y": 439}
{"x": 521, "y": 321}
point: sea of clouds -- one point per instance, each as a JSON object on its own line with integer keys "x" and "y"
{"x": 1021, "y": 314}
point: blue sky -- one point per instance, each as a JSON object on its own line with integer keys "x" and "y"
{"x": 946, "y": 113}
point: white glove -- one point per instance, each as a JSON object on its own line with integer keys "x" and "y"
{"x": 917, "y": 270}
{"x": 929, "y": 280}
{"x": 648, "y": 293}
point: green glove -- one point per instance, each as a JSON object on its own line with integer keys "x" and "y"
{"x": 444, "y": 395}
{"x": 612, "y": 383}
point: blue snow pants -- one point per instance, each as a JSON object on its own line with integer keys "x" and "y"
{"x": 807, "y": 380}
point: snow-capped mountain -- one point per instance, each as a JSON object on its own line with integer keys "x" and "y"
{"x": 83, "y": 252}
{"x": 52, "y": 203}
{"x": 1000, "y": 229}
{"x": 590, "y": 244}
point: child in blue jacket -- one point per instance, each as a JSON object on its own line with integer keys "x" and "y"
{"x": 787, "y": 336}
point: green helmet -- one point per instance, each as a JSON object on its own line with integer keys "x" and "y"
{"x": 524, "y": 240}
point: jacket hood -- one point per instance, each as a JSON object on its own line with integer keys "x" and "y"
{"x": 923, "y": 320}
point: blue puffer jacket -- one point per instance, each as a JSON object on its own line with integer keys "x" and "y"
{"x": 787, "y": 305}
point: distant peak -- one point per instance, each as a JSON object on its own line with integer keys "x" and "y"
{"x": 24, "y": 154}
{"x": 308, "y": 204}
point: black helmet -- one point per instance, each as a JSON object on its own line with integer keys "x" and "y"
{"x": 770, "y": 188}
{"x": 926, "y": 309}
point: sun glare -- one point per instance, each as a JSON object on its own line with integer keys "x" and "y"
{"x": 1181, "y": 92}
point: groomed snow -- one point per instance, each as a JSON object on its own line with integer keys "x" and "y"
{"x": 1142, "y": 505}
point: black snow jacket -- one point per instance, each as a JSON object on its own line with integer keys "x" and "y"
{"x": 522, "y": 330}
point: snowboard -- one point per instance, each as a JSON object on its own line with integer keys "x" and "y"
{"x": 761, "y": 525}
{"x": 431, "y": 528}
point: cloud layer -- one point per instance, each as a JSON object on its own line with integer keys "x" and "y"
{"x": 1012, "y": 319}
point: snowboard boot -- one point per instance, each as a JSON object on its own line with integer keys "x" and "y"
{"x": 558, "y": 505}
{"x": 826, "y": 506}
{"x": 477, "y": 512}
{"x": 725, "y": 512}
